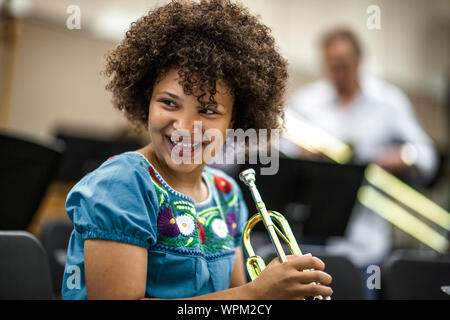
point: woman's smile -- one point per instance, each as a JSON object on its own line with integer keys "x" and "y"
{"x": 185, "y": 149}
{"x": 180, "y": 126}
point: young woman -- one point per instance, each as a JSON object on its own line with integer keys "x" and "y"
{"x": 148, "y": 226}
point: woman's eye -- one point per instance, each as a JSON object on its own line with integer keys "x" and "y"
{"x": 208, "y": 111}
{"x": 170, "y": 103}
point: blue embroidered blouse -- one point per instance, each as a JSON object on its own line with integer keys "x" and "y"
{"x": 191, "y": 246}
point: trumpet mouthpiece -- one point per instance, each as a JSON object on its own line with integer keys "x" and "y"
{"x": 247, "y": 176}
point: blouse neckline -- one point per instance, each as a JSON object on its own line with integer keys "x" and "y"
{"x": 175, "y": 192}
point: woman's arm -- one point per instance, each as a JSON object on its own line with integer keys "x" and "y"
{"x": 114, "y": 270}
{"x": 117, "y": 270}
{"x": 238, "y": 276}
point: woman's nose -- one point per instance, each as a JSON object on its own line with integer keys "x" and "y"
{"x": 188, "y": 123}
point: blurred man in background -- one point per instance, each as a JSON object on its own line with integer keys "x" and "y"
{"x": 378, "y": 121}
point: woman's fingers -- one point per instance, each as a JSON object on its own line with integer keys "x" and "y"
{"x": 299, "y": 277}
{"x": 308, "y": 276}
{"x": 317, "y": 290}
{"x": 306, "y": 262}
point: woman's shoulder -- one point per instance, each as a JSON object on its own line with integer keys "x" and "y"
{"x": 121, "y": 167}
{"x": 125, "y": 173}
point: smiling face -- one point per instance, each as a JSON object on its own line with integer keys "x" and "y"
{"x": 172, "y": 112}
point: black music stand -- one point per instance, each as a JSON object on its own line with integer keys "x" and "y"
{"x": 317, "y": 198}
{"x": 86, "y": 153}
{"x": 27, "y": 167}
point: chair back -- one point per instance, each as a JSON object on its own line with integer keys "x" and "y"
{"x": 55, "y": 236}
{"x": 24, "y": 269}
{"x": 408, "y": 275}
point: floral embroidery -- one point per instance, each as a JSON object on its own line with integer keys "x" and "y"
{"x": 153, "y": 174}
{"x": 189, "y": 242}
{"x": 208, "y": 232}
{"x": 222, "y": 184}
{"x": 219, "y": 227}
{"x": 201, "y": 232}
{"x": 232, "y": 223}
{"x": 167, "y": 224}
{"x": 186, "y": 224}
{"x": 214, "y": 244}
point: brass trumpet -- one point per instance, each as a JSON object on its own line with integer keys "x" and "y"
{"x": 255, "y": 264}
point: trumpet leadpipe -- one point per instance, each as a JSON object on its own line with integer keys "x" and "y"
{"x": 248, "y": 177}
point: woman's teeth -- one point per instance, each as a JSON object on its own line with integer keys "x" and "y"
{"x": 185, "y": 145}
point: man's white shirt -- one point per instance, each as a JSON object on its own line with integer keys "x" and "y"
{"x": 379, "y": 115}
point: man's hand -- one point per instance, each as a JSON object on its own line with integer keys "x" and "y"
{"x": 391, "y": 160}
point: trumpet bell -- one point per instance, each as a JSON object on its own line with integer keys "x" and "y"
{"x": 256, "y": 264}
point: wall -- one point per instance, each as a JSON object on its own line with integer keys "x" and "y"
{"x": 56, "y": 77}
{"x": 57, "y": 81}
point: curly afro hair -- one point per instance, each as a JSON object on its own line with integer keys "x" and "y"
{"x": 206, "y": 41}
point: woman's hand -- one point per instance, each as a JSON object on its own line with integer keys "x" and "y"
{"x": 288, "y": 281}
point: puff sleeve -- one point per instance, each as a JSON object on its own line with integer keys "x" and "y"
{"x": 115, "y": 202}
